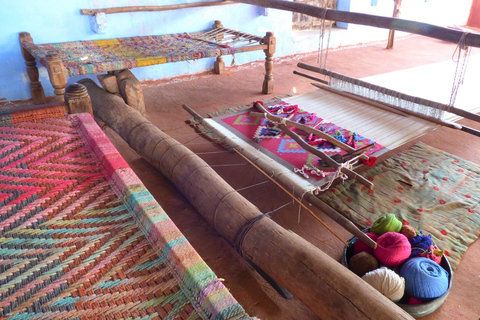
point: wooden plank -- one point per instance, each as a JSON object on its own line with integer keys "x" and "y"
{"x": 424, "y": 29}
{"x": 92, "y": 12}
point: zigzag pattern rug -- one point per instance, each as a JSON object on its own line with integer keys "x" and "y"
{"x": 81, "y": 237}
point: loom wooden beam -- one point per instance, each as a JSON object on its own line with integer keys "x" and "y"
{"x": 396, "y": 13}
{"x": 36, "y": 88}
{"x": 268, "y": 82}
{"x": 424, "y": 29}
{"x": 329, "y": 289}
{"x": 92, "y": 12}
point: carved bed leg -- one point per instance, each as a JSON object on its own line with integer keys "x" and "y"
{"x": 78, "y": 99}
{"x": 56, "y": 73}
{"x": 269, "y": 83}
{"x": 36, "y": 88}
{"x": 219, "y": 65}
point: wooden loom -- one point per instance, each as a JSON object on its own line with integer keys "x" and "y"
{"x": 307, "y": 272}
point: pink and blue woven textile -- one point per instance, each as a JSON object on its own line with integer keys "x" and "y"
{"x": 82, "y": 238}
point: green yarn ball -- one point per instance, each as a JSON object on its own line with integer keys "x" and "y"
{"x": 386, "y": 223}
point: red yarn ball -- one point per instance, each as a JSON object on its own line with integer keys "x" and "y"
{"x": 360, "y": 246}
{"x": 392, "y": 249}
{"x": 414, "y": 301}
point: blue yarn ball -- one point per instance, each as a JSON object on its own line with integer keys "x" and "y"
{"x": 424, "y": 278}
{"x": 419, "y": 244}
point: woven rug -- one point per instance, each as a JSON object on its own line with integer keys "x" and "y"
{"x": 81, "y": 237}
{"x": 432, "y": 190}
{"x": 251, "y": 126}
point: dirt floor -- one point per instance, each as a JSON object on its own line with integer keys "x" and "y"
{"x": 241, "y": 85}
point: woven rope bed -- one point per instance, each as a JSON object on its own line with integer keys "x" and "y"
{"x": 69, "y": 59}
{"x": 82, "y": 238}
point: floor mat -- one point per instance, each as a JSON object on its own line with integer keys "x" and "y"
{"x": 81, "y": 237}
{"x": 434, "y": 191}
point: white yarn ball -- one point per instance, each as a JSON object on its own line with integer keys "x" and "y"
{"x": 389, "y": 283}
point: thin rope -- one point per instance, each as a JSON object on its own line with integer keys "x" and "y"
{"x": 252, "y": 186}
{"x": 462, "y": 61}
{"x": 227, "y": 165}
{"x": 279, "y": 208}
{"x": 212, "y": 152}
{"x": 292, "y": 196}
{"x": 245, "y": 229}
{"x": 323, "y": 64}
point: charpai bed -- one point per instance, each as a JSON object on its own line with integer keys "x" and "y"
{"x": 81, "y": 236}
{"x": 69, "y": 59}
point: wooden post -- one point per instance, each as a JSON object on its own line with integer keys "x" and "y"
{"x": 77, "y": 99}
{"x": 56, "y": 73}
{"x": 328, "y": 288}
{"x": 396, "y": 13}
{"x": 36, "y": 88}
{"x": 131, "y": 90}
{"x": 219, "y": 66}
{"x": 269, "y": 83}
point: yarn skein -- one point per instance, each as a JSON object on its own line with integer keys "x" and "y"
{"x": 392, "y": 249}
{"x": 424, "y": 278}
{"x": 420, "y": 244}
{"x": 360, "y": 246}
{"x": 389, "y": 283}
{"x": 386, "y": 223}
{"x": 362, "y": 263}
{"x": 408, "y": 231}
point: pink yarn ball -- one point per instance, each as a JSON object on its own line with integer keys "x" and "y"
{"x": 360, "y": 246}
{"x": 392, "y": 249}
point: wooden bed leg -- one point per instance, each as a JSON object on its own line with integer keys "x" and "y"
{"x": 36, "y": 88}
{"x": 56, "y": 73}
{"x": 78, "y": 100}
{"x": 219, "y": 65}
{"x": 269, "y": 83}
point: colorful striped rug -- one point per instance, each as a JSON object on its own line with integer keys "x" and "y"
{"x": 97, "y": 56}
{"x": 81, "y": 237}
{"x": 430, "y": 189}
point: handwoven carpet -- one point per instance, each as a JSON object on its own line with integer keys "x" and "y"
{"x": 251, "y": 126}
{"x": 434, "y": 191}
{"x": 82, "y": 238}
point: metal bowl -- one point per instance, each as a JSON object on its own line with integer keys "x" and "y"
{"x": 415, "y": 311}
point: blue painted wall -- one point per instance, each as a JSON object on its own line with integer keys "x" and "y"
{"x": 59, "y": 20}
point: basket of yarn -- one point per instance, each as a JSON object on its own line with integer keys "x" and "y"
{"x": 406, "y": 266}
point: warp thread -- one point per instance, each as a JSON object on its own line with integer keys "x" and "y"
{"x": 386, "y": 223}
{"x": 389, "y": 283}
{"x": 424, "y": 279}
{"x": 392, "y": 249}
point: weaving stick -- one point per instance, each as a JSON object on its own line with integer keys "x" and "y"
{"x": 351, "y": 174}
{"x": 325, "y": 208}
{"x": 406, "y": 97}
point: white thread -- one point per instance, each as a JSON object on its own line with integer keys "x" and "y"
{"x": 461, "y": 67}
